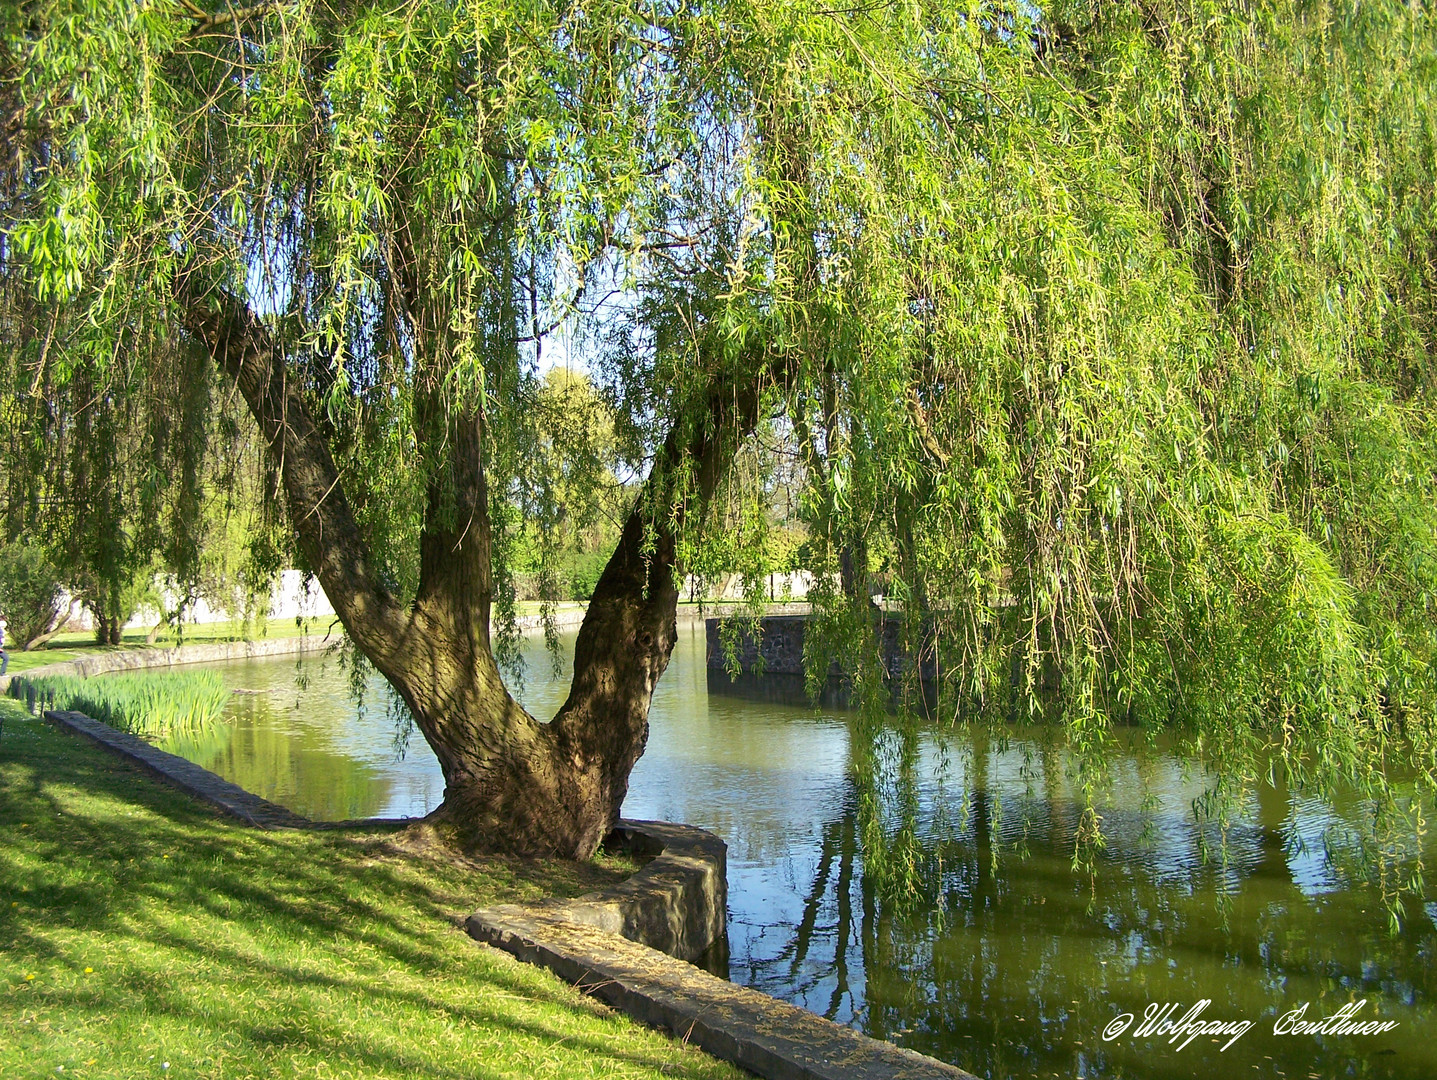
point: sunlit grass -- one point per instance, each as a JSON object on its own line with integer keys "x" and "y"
{"x": 141, "y": 930}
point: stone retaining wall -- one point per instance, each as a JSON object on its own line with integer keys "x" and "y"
{"x": 677, "y": 904}
{"x": 216, "y": 652}
{"x": 768, "y": 1037}
{"x": 777, "y": 647}
{"x": 102, "y": 663}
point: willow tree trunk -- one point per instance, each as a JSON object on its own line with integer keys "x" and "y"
{"x": 512, "y": 783}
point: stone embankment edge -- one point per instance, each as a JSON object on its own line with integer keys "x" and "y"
{"x": 677, "y": 903}
{"x": 759, "y": 1033}
{"x": 608, "y": 943}
{"x": 628, "y": 945}
{"x": 213, "y": 653}
{"x": 218, "y": 652}
{"x": 176, "y": 771}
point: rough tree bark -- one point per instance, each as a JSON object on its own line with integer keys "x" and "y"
{"x": 512, "y": 783}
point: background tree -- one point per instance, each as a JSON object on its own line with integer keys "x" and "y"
{"x": 576, "y": 513}
{"x": 31, "y": 598}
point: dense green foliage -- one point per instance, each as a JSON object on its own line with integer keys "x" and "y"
{"x": 567, "y": 538}
{"x": 30, "y": 595}
{"x": 1165, "y": 324}
{"x": 145, "y": 703}
{"x": 1104, "y": 330}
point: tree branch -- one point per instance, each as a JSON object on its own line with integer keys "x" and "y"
{"x": 925, "y": 432}
{"x": 319, "y": 510}
{"x": 207, "y": 21}
{"x": 628, "y": 632}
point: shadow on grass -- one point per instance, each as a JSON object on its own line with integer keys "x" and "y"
{"x": 352, "y": 944}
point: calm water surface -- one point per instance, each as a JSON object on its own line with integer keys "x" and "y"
{"x": 1013, "y": 966}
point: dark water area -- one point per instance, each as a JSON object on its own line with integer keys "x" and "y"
{"x": 1010, "y": 964}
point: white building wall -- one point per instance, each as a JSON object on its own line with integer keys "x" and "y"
{"x": 289, "y": 598}
{"x": 792, "y": 586}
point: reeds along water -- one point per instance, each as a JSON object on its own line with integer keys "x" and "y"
{"x": 143, "y": 703}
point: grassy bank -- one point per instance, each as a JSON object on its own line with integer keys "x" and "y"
{"x": 143, "y": 932}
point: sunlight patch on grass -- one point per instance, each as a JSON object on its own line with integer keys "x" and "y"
{"x": 142, "y": 929}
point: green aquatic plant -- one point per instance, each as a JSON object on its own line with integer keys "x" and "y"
{"x": 143, "y": 703}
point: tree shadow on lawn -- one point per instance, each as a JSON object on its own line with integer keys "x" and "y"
{"x": 491, "y": 996}
{"x": 194, "y": 914}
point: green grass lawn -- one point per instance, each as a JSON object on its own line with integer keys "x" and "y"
{"x": 146, "y": 937}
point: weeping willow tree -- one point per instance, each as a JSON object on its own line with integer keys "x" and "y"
{"x": 1135, "y": 408}
{"x": 1107, "y": 328}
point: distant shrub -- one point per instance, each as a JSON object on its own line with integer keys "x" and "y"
{"x": 30, "y": 593}
{"x": 143, "y": 703}
{"x": 574, "y": 577}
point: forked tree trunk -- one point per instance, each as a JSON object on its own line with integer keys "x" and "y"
{"x": 515, "y": 784}
{"x": 108, "y": 631}
{"x": 511, "y": 783}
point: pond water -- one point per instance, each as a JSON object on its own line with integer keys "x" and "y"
{"x": 1012, "y": 966}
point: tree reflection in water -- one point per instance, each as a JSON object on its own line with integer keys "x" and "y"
{"x": 1012, "y": 964}
{"x": 1006, "y": 961}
